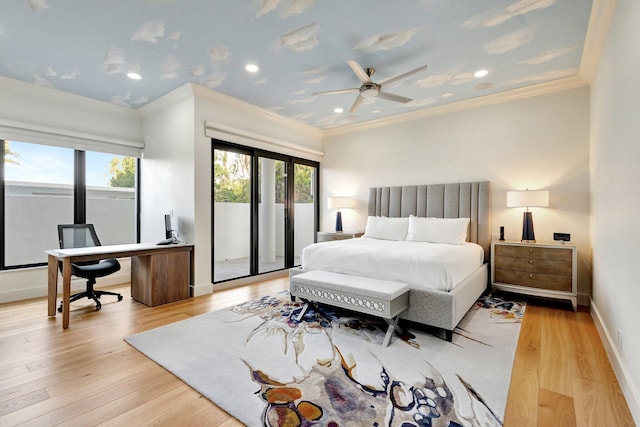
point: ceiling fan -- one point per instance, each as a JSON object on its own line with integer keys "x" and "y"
{"x": 369, "y": 89}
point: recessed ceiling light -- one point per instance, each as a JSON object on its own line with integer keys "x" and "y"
{"x": 338, "y": 110}
{"x": 252, "y": 68}
{"x": 376, "y": 111}
{"x": 134, "y": 76}
{"x": 447, "y": 95}
{"x": 480, "y": 73}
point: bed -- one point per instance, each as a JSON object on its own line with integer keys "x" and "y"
{"x": 441, "y": 306}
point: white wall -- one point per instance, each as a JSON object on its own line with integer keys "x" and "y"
{"x": 166, "y": 171}
{"x": 615, "y": 196}
{"x": 537, "y": 143}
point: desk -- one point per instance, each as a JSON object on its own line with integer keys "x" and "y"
{"x": 153, "y": 271}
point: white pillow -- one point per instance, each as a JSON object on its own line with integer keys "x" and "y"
{"x": 438, "y": 230}
{"x": 380, "y": 227}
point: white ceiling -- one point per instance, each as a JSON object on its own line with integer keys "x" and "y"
{"x": 87, "y": 47}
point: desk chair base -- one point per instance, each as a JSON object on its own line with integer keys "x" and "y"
{"x": 91, "y": 293}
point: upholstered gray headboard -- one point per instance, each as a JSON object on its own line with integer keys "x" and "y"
{"x": 462, "y": 200}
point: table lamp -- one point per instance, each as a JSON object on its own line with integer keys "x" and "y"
{"x": 339, "y": 203}
{"x": 527, "y": 199}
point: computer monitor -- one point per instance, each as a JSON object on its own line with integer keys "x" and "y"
{"x": 168, "y": 231}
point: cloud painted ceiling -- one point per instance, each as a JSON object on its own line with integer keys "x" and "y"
{"x": 87, "y": 47}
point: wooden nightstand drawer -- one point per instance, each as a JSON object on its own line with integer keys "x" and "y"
{"x": 535, "y": 265}
{"x": 328, "y": 236}
{"x": 533, "y": 252}
{"x": 553, "y": 282}
{"x": 339, "y": 237}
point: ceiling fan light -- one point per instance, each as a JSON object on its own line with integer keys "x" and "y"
{"x": 252, "y": 68}
{"x": 369, "y": 92}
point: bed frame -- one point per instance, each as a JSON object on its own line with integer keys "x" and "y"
{"x": 461, "y": 200}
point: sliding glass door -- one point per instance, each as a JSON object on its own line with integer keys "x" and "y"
{"x": 264, "y": 210}
{"x": 305, "y": 205}
{"x": 272, "y": 214}
{"x": 232, "y": 213}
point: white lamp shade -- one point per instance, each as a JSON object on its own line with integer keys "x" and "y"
{"x": 527, "y": 199}
{"x": 340, "y": 202}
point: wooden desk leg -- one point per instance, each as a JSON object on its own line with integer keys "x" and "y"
{"x": 66, "y": 291}
{"x": 53, "y": 285}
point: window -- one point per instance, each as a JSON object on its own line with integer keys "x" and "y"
{"x": 38, "y": 195}
{"x": 43, "y": 186}
{"x": 111, "y": 197}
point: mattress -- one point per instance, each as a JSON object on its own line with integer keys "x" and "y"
{"x": 418, "y": 264}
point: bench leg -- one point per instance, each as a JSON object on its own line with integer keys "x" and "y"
{"x": 298, "y": 318}
{"x": 393, "y": 326}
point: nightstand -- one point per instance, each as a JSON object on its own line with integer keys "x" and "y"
{"x": 328, "y": 236}
{"x": 538, "y": 269}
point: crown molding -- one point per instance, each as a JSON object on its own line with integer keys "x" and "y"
{"x": 239, "y": 105}
{"x": 467, "y": 104}
{"x": 59, "y": 96}
{"x": 599, "y": 24}
{"x": 177, "y": 95}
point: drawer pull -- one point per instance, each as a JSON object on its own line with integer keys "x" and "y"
{"x": 530, "y": 251}
{"x": 530, "y": 261}
{"x": 531, "y": 276}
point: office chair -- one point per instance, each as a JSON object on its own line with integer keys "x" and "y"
{"x": 84, "y": 236}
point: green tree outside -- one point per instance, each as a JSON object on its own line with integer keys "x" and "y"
{"x": 303, "y": 186}
{"x": 231, "y": 177}
{"x": 232, "y": 182}
{"x": 8, "y": 154}
{"x": 123, "y": 172}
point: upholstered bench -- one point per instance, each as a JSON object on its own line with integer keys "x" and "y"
{"x": 377, "y": 297}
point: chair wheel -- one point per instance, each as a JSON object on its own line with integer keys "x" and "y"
{"x": 98, "y": 306}
{"x": 60, "y": 309}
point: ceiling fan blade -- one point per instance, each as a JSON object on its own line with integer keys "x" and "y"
{"x": 359, "y": 72}
{"x": 402, "y": 76}
{"x": 331, "y": 92}
{"x": 392, "y": 97}
{"x": 356, "y": 104}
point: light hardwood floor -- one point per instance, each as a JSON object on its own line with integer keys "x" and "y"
{"x": 88, "y": 375}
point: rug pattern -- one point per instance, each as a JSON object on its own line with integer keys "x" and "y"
{"x": 329, "y": 369}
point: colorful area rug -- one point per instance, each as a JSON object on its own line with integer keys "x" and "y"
{"x": 265, "y": 368}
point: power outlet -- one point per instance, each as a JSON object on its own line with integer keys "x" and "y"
{"x": 619, "y": 340}
{"x": 495, "y": 236}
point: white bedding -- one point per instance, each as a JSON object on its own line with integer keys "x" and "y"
{"x": 418, "y": 264}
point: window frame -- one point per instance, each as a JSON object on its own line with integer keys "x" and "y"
{"x": 79, "y": 200}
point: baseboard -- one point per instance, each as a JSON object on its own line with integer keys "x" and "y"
{"x": 629, "y": 389}
{"x": 202, "y": 289}
{"x": 41, "y": 290}
{"x": 249, "y": 280}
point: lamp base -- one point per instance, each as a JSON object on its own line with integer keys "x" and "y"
{"x": 339, "y": 221}
{"x": 528, "y": 236}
